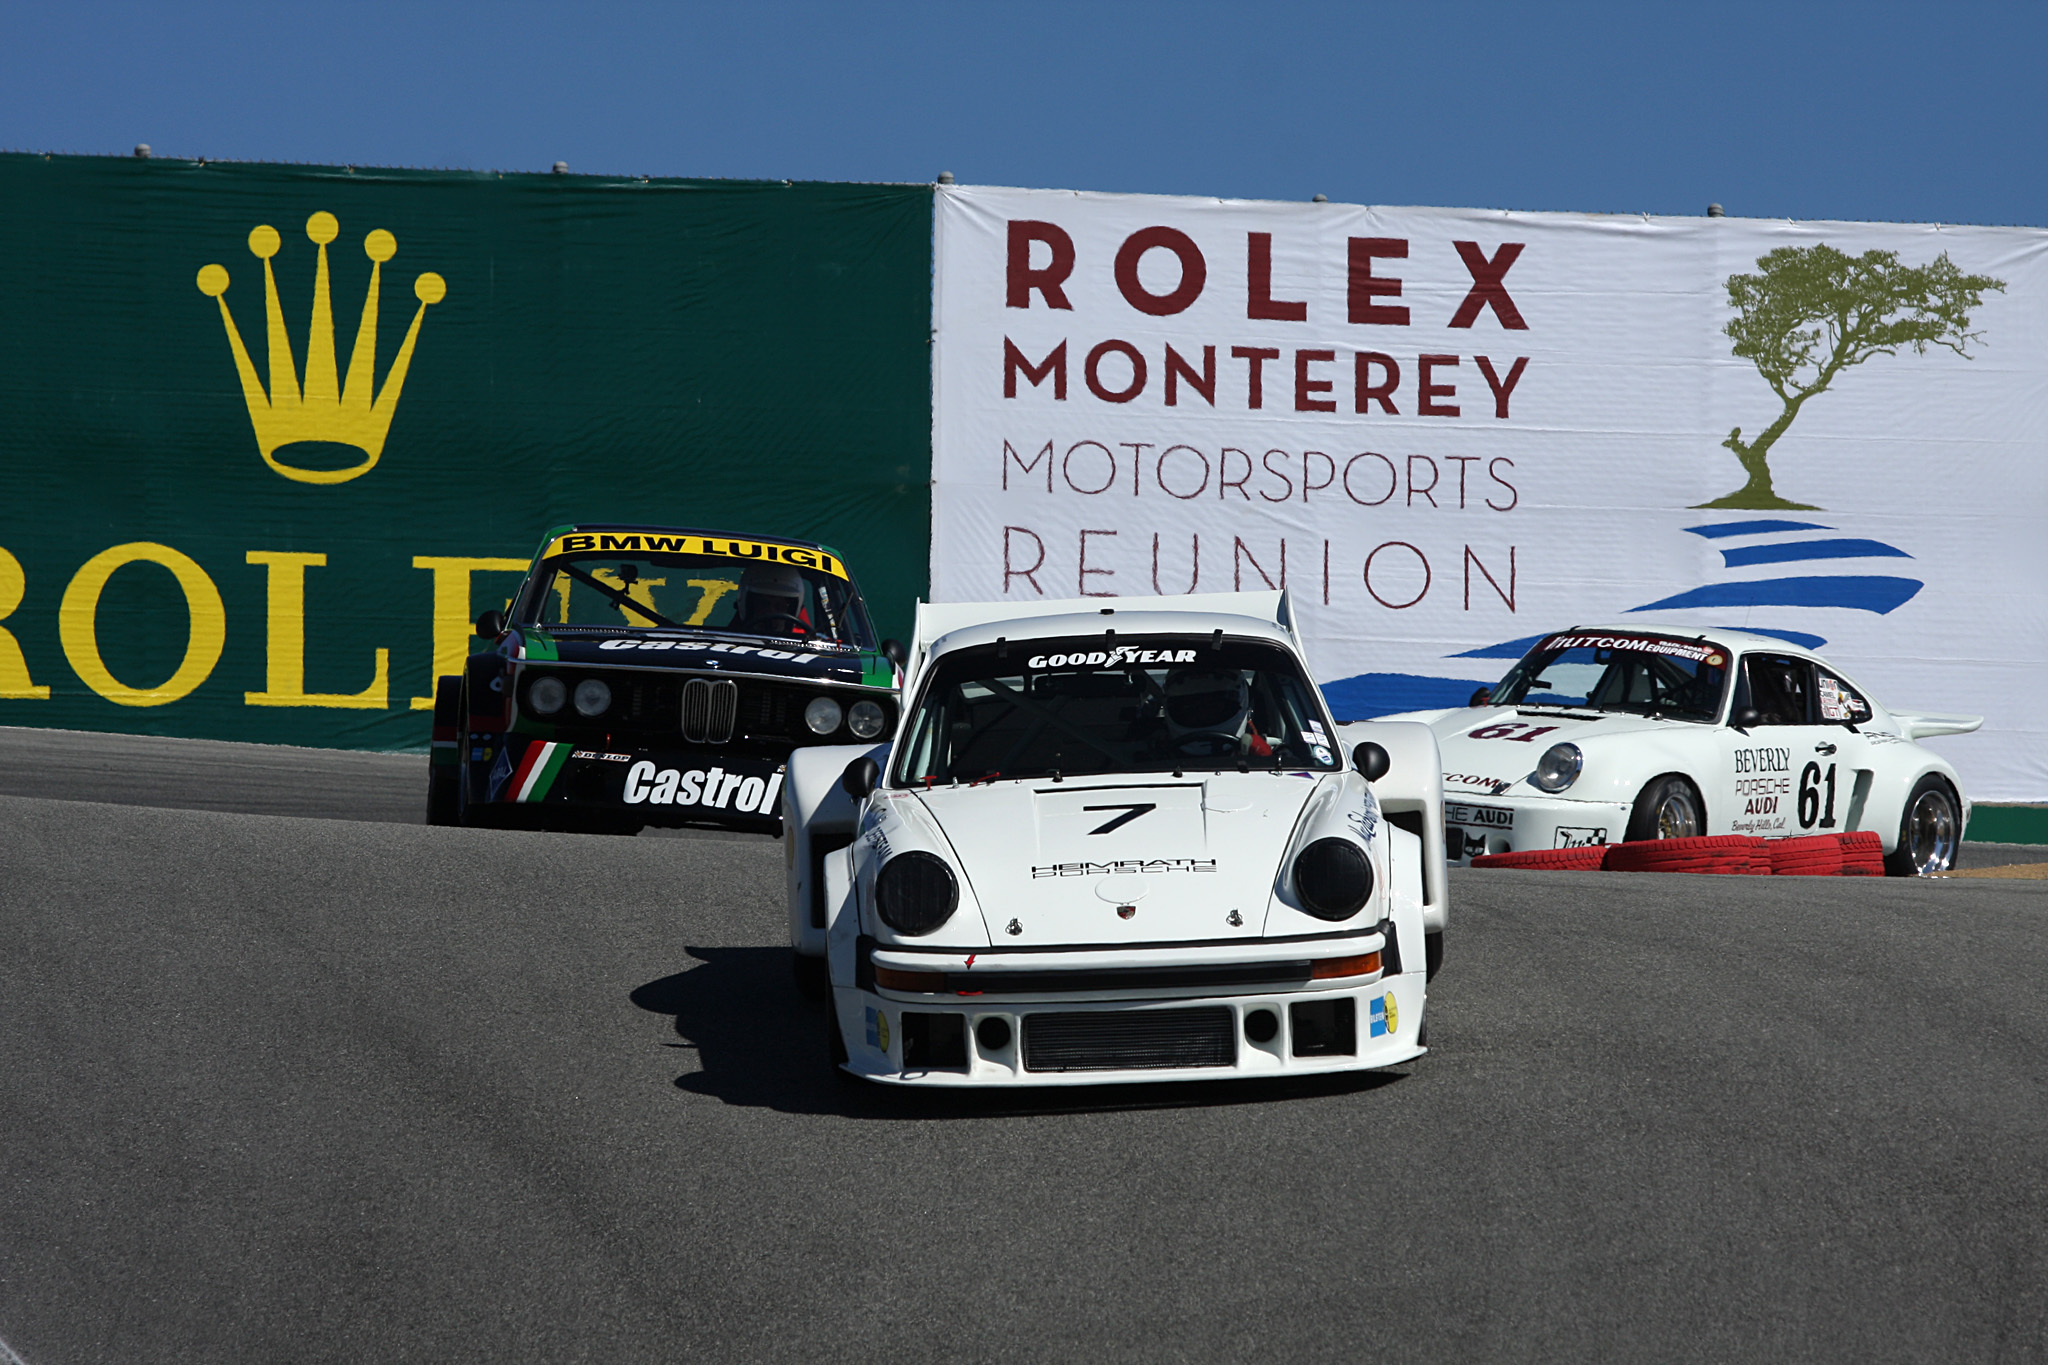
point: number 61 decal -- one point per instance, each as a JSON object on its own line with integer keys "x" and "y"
{"x": 1510, "y": 729}
{"x": 1810, "y": 782}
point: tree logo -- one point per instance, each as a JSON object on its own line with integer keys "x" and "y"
{"x": 1812, "y": 311}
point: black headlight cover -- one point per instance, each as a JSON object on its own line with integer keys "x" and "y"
{"x": 915, "y": 893}
{"x": 1332, "y": 878}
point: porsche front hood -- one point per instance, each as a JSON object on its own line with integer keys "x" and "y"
{"x": 1102, "y": 861}
{"x": 1490, "y": 749}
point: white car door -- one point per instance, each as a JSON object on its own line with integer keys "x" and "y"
{"x": 1794, "y": 765}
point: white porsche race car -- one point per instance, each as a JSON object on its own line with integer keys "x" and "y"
{"x": 1116, "y": 844}
{"x": 1607, "y": 733}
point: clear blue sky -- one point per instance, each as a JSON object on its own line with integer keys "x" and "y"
{"x": 1934, "y": 111}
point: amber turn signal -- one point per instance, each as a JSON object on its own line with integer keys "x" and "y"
{"x": 896, "y": 979}
{"x": 1363, "y": 965}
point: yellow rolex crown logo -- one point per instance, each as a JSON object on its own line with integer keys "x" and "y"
{"x": 325, "y": 409}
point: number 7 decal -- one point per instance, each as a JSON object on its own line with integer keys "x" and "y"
{"x": 1130, "y": 813}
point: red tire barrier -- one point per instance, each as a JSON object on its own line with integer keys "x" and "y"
{"x": 1549, "y": 859}
{"x": 1817, "y": 855}
{"x": 1729, "y": 854}
{"x": 1862, "y": 854}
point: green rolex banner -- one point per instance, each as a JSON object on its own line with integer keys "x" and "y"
{"x": 273, "y": 435}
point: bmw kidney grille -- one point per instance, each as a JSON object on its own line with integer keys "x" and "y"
{"x": 710, "y": 706}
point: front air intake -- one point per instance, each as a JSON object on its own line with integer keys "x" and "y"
{"x": 709, "y": 707}
{"x": 1130, "y": 1040}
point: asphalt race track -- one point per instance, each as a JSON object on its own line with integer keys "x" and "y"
{"x": 319, "y": 1087}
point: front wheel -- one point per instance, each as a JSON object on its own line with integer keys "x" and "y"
{"x": 444, "y": 806}
{"x": 1668, "y": 808}
{"x": 812, "y": 980}
{"x": 1930, "y": 831}
{"x": 1432, "y": 955}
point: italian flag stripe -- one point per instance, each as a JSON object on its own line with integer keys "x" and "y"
{"x": 537, "y": 770}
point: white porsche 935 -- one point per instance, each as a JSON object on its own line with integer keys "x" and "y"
{"x": 1115, "y": 844}
{"x": 1602, "y": 734}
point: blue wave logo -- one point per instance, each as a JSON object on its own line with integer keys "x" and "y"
{"x": 1762, "y": 543}
{"x": 1879, "y": 593}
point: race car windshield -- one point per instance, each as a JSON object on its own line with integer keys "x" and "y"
{"x": 1678, "y": 679}
{"x": 1090, "y": 705}
{"x": 712, "y": 593}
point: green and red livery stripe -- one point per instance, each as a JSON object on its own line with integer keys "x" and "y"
{"x": 538, "y": 769}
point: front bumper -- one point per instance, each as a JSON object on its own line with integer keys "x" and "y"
{"x": 679, "y": 785}
{"x": 1133, "y": 1033}
{"x": 1497, "y": 824}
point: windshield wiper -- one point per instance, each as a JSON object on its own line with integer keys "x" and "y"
{"x": 624, "y": 602}
{"x": 1558, "y": 708}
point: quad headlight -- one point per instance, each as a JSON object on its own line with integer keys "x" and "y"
{"x": 1558, "y": 768}
{"x": 593, "y": 698}
{"x": 547, "y": 695}
{"x": 915, "y": 893}
{"x": 822, "y": 715}
{"x": 1332, "y": 878}
{"x": 866, "y": 720}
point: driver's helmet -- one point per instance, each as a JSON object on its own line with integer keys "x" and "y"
{"x": 1207, "y": 700}
{"x": 770, "y": 590}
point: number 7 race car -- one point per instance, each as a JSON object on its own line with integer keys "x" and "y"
{"x": 1603, "y": 734}
{"x": 1115, "y": 844}
{"x": 657, "y": 677}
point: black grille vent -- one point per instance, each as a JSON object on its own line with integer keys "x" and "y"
{"x": 1130, "y": 1040}
{"x": 709, "y": 706}
{"x": 772, "y": 712}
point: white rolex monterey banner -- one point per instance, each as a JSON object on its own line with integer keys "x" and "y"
{"x": 1449, "y": 431}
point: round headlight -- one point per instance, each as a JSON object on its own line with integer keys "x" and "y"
{"x": 1332, "y": 878}
{"x": 866, "y": 720}
{"x": 593, "y": 698}
{"x": 547, "y": 695}
{"x": 822, "y": 715}
{"x": 915, "y": 893}
{"x": 1558, "y": 768}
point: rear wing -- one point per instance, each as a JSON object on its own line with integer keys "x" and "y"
{"x": 1928, "y": 724}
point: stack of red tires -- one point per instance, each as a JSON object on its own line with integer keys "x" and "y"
{"x": 1820, "y": 855}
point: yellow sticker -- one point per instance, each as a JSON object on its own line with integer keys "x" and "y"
{"x": 1393, "y": 1014}
{"x": 882, "y": 1028}
{"x": 652, "y": 542}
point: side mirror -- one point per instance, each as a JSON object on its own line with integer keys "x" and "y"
{"x": 491, "y": 624}
{"x": 861, "y": 777}
{"x": 1745, "y": 718}
{"x": 1483, "y": 697}
{"x": 893, "y": 650}
{"x": 1372, "y": 761}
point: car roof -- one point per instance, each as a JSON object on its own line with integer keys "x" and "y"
{"x": 1740, "y": 640}
{"x": 1259, "y": 616}
{"x": 648, "y": 528}
{"x": 954, "y": 625}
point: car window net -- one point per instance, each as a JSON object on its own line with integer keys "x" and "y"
{"x": 1082, "y": 706}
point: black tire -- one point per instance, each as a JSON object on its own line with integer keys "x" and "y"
{"x": 441, "y": 779}
{"x": 1432, "y": 955}
{"x": 835, "y": 1045}
{"x": 813, "y": 981}
{"x": 1668, "y": 807}
{"x": 442, "y": 798}
{"x": 1930, "y": 831}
